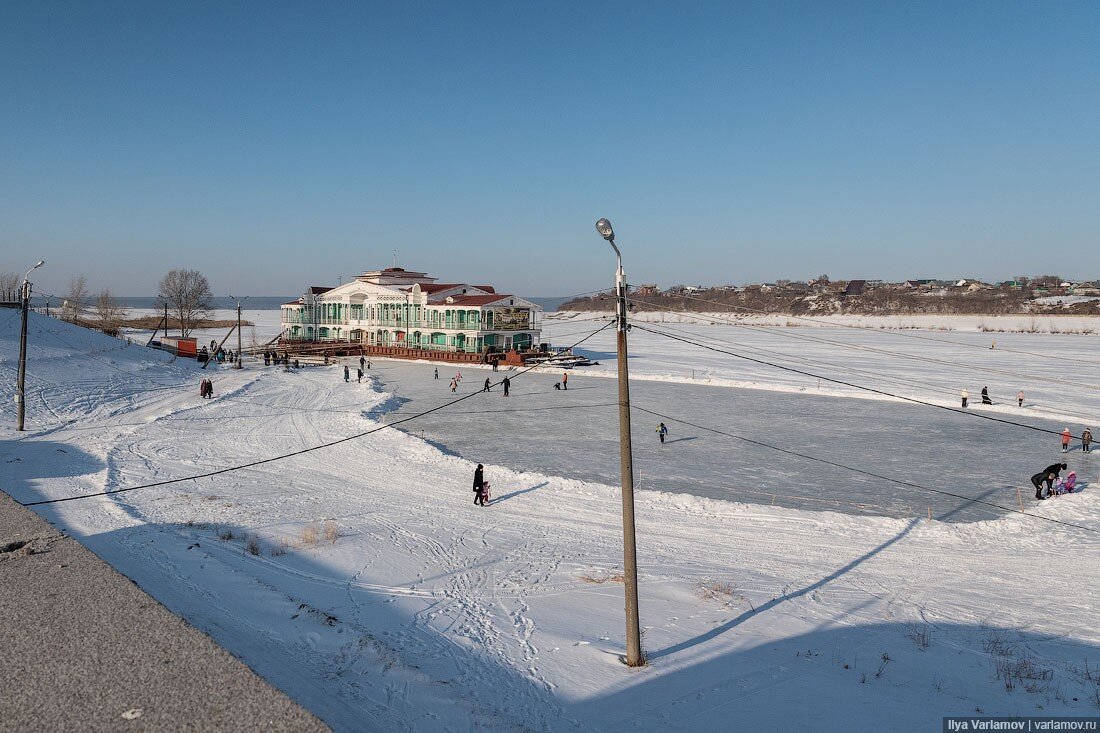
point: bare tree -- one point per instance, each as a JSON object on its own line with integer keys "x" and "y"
{"x": 76, "y": 301}
{"x": 188, "y": 295}
{"x": 9, "y": 286}
{"x": 108, "y": 313}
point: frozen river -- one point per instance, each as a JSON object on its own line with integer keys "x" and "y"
{"x": 574, "y": 434}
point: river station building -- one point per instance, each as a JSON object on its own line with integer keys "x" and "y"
{"x": 395, "y": 307}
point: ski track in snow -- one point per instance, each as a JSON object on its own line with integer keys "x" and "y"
{"x": 428, "y": 613}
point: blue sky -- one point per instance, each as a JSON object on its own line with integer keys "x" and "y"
{"x": 276, "y": 145}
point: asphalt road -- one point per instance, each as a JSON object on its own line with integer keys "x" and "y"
{"x": 86, "y": 649}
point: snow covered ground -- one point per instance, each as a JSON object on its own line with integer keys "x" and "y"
{"x": 361, "y": 579}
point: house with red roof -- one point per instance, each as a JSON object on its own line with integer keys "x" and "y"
{"x": 399, "y": 307}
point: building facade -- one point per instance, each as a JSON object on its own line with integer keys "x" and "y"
{"x": 398, "y": 307}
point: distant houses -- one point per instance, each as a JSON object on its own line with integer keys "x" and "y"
{"x": 818, "y": 291}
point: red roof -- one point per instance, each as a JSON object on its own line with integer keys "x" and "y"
{"x": 477, "y": 299}
{"x": 486, "y": 288}
{"x": 293, "y": 302}
{"x": 436, "y": 287}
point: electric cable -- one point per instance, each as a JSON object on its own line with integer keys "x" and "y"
{"x": 907, "y": 381}
{"x": 849, "y": 384}
{"x": 900, "y": 354}
{"x": 900, "y": 482}
{"x": 832, "y": 324}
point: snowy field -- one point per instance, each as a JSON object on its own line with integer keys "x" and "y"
{"x": 361, "y": 579}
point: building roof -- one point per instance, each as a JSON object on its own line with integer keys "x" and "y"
{"x": 855, "y": 287}
{"x": 486, "y": 288}
{"x": 435, "y": 287}
{"x": 318, "y": 289}
{"x": 477, "y": 299}
{"x": 293, "y": 302}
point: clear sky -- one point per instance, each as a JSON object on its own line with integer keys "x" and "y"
{"x": 277, "y": 145}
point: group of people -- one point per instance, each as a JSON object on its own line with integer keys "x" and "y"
{"x": 206, "y": 389}
{"x": 482, "y": 494}
{"x": 219, "y": 355}
{"x": 274, "y": 357}
{"x": 985, "y": 397}
{"x": 506, "y": 383}
{"x": 1086, "y": 440}
{"x": 1050, "y": 479}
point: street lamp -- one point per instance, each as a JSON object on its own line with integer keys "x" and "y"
{"x": 20, "y": 391}
{"x": 626, "y": 461}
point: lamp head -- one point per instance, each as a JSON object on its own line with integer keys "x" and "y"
{"x": 603, "y": 226}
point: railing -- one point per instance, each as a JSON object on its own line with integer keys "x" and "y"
{"x": 420, "y": 325}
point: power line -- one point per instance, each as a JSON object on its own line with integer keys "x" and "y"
{"x": 900, "y": 482}
{"x": 849, "y": 384}
{"x": 888, "y": 352}
{"x": 856, "y": 328}
{"x": 907, "y": 381}
{"x": 260, "y": 462}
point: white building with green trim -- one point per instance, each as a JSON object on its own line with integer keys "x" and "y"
{"x": 398, "y": 307}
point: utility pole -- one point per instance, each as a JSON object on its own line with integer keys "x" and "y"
{"x": 239, "y": 365}
{"x": 634, "y": 656}
{"x": 20, "y": 391}
{"x": 166, "y": 319}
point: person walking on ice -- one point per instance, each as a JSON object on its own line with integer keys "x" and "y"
{"x": 454, "y": 385}
{"x": 347, "y": 374}
{"x": 965, "y": 397}
{"x": 362, "y": 361}
{"x": 360, "y": 376}
{"x": 985, "y": 396}
{"x": 565, "y": 380}
{"x": 662, "y": 432}
{"x": 1066, "y": 437}
{"x": 1086, "y": 440}
{"x": 1020, "y": 398}
{"x": 507, "y": 383}
{"x": 486, "y": 387}
{"x": 437, "y": 372}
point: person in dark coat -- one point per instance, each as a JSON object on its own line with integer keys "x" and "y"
{"x": 1047, "y": 476}
{"x": 362, "y": 361}
{"x": 479, "y": 485}
{"x": 507, "y": 383}
{"x": 347, "y": 374}
{"x": 486, "y": 388}
{"x": 985, "y": 396}
{"x": 360, "y": 378}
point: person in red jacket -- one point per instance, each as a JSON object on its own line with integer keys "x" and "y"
{"x": 1066, "y": 437}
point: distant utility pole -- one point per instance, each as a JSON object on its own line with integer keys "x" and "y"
{"x": 20, "y": 392}
{"x": 238, "y": 365}
{"x": 626, "y": 463}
